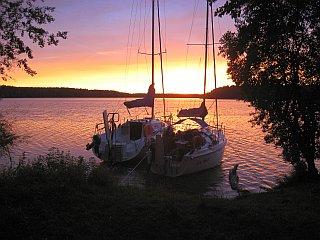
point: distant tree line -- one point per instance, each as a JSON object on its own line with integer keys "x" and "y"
{"x": 227, "y": 92}
{"x": 232, "y": 92}
{"x": 32, "y": 92}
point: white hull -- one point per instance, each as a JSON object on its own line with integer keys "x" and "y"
{"x": 206, "y": 157}
{"x": 128, "y": 141}
{"x": 123, "y": 150}
{"x": 204, "y": 160}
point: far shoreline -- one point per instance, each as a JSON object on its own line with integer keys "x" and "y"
{"x": 158, "y": 97}
{"x": 227, "y": 92}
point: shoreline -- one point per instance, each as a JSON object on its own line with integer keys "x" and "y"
{"x": 227, "y": 92}
{"x": 57, "y": 198}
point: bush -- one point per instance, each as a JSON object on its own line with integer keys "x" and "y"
{"x": 7, "y": 137}
{"x": 56, "y": 168}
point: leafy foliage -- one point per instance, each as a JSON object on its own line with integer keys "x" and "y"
{"x": 55, "y": 167}
{"x": 274, "y": 55}
{"x": 276, "y": 41}
{"x": 292, "y": 123}
{"x": 7, "y": 137}
{"x": 21, "y": 23}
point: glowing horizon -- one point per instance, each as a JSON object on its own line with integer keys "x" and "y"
{"x": 96, "y": 54}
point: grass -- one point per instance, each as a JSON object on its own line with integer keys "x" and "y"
{"x": 63, "y": 197}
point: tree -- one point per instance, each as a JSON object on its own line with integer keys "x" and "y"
{"x": 275, "y": 56}
{"x": 21, "y": 22}
{"x": 7, "y": 138}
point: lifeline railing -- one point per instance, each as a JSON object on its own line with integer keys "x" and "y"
{"x": 99, "y": 128}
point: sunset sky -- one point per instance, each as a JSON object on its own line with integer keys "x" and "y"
{"x": 97, "y": 55}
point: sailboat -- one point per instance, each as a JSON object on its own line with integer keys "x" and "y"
{"x": 131, "y": 139}
{"x": 196, "y": 149}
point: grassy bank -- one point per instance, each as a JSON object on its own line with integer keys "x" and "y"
{"x": 63, "y": 197}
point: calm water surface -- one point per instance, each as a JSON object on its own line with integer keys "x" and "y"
{"x": 68, "y": 124}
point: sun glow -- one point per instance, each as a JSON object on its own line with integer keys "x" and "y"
{"x": 96, "y": 54}
{"x": 178, "y": 78}
{"x": 190, "y": 79}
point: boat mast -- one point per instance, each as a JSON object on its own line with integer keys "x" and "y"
{"x": 206, "y": 53}
{"x": 161, "y": 58}
{"x": 214, "y": 64}
{"x": 152, "y": 55}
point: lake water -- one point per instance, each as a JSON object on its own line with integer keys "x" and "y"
{"x": 68, "y": 124}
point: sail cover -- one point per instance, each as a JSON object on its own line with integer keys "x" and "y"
{"x": 147, "y": 101}
{"x": 194, "y": 112}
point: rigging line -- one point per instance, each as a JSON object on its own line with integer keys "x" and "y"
{"x": 162, "y": 15}
{"x": 165, "y": 31}
{"x": 146, "y": 19}
{"x": 161, "y": 60}
{"x": 126, "y": 177}
{"x": 133, "y": 31}
{"x": 214, "y": 64}
{"x": 218, "y": 19}
{"x": 195, "y": 8}
{"x": 211, "y": 106}
{"x": 144, "y": 25}
{"x": 128, "y": 39}
{"x": 127, "y": 51}
{"x": 127, "y": 48}
{"x": 206, "y": 54}
{"x": 143, "y": 40}
{"x": 139, "y": 28}
{"x": 139, "y": 38}
{"x": 132, "y": 25}
{"x": 165, "y": 24}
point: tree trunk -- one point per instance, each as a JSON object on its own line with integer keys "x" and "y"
{"x": 310, "y": 154}
{"x": 310, "y": 129}
{"x": 312, "y": 170}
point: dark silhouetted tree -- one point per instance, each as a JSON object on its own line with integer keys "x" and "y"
{"x": 7, "y": 138}
{"x": 274, "y": 54}
{"x": 21, "y": 24}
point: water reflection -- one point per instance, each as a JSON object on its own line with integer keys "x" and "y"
{"x": 68, "y": 124}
